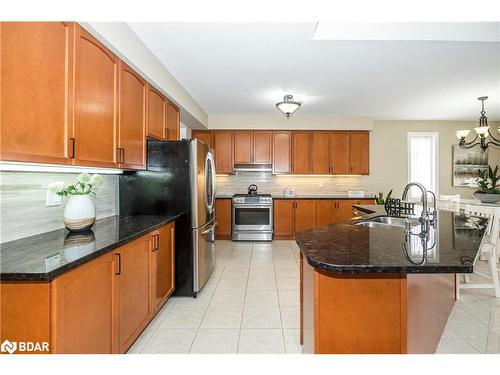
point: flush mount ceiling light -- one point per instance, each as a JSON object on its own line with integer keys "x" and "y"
{"x": 288, "y": 106}
{"x": 482, "y": 132}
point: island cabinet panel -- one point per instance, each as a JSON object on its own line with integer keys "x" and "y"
{"x": 284, "y": 218}
{"x": 96, "y": 95}
{"x": 223, "y": 218}
{"x": 173, "y": 122}
{"x": 205, "y": 136}
{"x": 282, "y": 146}
{"x": 157, "y": 111}
{"x": 302, "y": 143}
{"x": 321, "y": 153}
{"x": 132, "y": 290}
{"x": 262, "y": 147}
{"x": 224, "y": 151}
{"x": 305, "y": 214}
{"x": 131, "y": 152}
{"x": 360, "y": 153}
{"x": 162, "y": 266}
{"x": 82, "y": 309}
{"x": 243, "y": 147}
{"x": 340, "y": 152}
{"x": 36, "y": 80}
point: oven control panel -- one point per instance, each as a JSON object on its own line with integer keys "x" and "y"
{"x": 253, "y": 200}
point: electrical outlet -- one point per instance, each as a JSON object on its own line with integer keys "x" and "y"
{"x": 52, "y": 199}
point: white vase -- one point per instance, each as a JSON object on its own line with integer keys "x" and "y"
{"x": 79, "y": 213}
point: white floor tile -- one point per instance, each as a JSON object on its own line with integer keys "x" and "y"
{"x": 170, "y": 341}
{"x": 290, "y": 317}
{"x": 288, "y": 283}
{"x": 222, "y": 317}
{"x": 232, "y": 283}
{"x": 292, "y": 341}
{"x": 262, "y": 298}
{"x": 261, "y": 317}
{"x": 183, "y": 317}
{"x": 228, "y": 298}
{"x": 216, "y": 341}
{"x": 261, "y": 341}
{"x": 289, "y": 298}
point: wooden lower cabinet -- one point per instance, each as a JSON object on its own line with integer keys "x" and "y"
{"x": 305, "y": 214}
{"x": 223, "y": 216}
{"x": 99, "y": 307}
{"x": 283, "y": 218}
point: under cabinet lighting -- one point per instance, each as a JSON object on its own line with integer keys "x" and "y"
{"x": 32, "y": 167}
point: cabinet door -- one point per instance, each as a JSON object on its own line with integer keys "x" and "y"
{"x": 36, "y": 73}
{"x": 82, "y": 309}
{"x": 205, "y": 136}
{"x": 132, "y": 290}
{"x": 360, "y": 152}
{"x": 223, "y": 218}
{"x": 302, "y": 152}
{"x": 262, "y": 146}
{"x": 282, "y": 146}
{"x": 344, "y": 210}
{"x": 173, "y": 122}
{"x": 283, "y": 218}
{"x": 321, "y": 153}
{"x": 162, "y": 266}
{"x": 325, "y": 211}
{"x": 156, "y": 114}
{"x": 305, "y": 214}
{"x": 96, "y": 108}
{"x": 224, "y": 145}
{"x": 132, "y": 121}
{"x": 243, "y": 147}
{"x": 340, "y": 154}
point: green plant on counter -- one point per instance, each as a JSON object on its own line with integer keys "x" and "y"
{"x": 488, "y": 181}
{"x": 379, "y": 198}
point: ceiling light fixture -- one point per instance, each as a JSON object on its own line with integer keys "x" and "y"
{"x": 482, "y": 132}
{"x": 288, "y": 106}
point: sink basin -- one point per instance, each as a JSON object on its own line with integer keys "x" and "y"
{"x": 387, "y": 221}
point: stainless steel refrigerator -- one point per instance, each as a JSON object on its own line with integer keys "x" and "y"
{"x": 180, "y": 177}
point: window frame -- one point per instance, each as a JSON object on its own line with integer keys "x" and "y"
{"x": 435, "y": 136}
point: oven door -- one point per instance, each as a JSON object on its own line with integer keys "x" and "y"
{"x": 252, "y": 217}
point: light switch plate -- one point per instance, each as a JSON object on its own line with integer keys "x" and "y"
{"x": 52, "y": 199}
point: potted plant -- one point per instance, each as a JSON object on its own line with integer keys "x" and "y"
{"x": 379, "y": 199}
{"x": 488, "y": 181}
{"x": 79, "y": 213}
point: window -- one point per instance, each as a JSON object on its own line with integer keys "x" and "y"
{"x": 423, "y": 161}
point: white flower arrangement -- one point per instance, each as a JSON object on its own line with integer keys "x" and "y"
{"x": 86, "y": 184}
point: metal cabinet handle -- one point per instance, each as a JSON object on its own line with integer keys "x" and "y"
{"x": 156, "y": 242}
{"x": 119, "y": 264}
{"x": 123, "y": 155}
{"x": 72, "y": 143}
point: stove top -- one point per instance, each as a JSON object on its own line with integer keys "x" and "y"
{"x": 252, "y": 195}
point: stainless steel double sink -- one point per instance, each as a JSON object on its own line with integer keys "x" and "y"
{"x": 387, "y": 222}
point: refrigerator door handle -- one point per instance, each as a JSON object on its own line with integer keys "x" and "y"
{"x": 210, "y": 229}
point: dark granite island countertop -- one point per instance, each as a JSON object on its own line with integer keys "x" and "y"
{"x": 48, "y": 255}
{"x": 346, "y": 248}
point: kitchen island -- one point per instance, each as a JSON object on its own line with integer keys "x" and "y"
{"x": 375, "y": 289}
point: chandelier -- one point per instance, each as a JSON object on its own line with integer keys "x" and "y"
{"x": 482, "y": 132}
{"x": 288, "y": 106}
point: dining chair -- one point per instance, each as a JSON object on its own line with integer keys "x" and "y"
{"x": 449, "y": 202}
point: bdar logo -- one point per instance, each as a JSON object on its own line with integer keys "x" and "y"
{"x": 9, "y": 347}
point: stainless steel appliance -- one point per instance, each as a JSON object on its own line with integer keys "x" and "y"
{"x": 252, "y": 216}
{"x": 180, "y": 177}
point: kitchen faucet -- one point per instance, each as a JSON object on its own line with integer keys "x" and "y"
{"x": 424, "y": 216}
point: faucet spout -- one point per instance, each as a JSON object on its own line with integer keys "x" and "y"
{"x": 424, "y": 216}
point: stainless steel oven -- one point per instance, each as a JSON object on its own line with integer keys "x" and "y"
{"x": 252, "y": 217}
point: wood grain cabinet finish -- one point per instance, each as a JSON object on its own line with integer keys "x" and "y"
{"x": 206, "y": 136}
{"x": 360, "y": 152}
{"x": 131, "y": 152}
{"x": 326, "y": 211}
{"x": 36, "y": 81}
{"x": 82, "y": 309}
{"x": 305, "y": 214}
{"x": 173, "y": 122}
{"x": 224, "y": 151}
{"x": 223, "y": 218}
{"x": 243, "y": 147}
{"x": 282, "y": 150}
{"x": 302, "y": 143}
{"x": 340, "y": 153}
{"x": 157, "y": 111}
{"x": 96, "y": 112}
{"x": 321, "y": 153}
{"x": 283, "y": 218}
{"x": 132, "y": 290}
{"x": 262, "y": 147}
{"x": 162, "y": 266}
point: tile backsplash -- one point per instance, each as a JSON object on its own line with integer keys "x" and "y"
{"x": 268, "y": 183}
{"x": 22, "y": 203}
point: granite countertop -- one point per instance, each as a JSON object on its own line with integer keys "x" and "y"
{"x": 305, "y": 196}
{"x": 346, "y": 248}
{"x": 48, "y": 255}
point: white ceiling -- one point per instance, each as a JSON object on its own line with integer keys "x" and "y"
{"x": 247, "y": 67}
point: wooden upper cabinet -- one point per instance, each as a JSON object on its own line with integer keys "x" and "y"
{"x": 173, "y": 122}
{"x": 281, "y": 148}
{"x": 262, "y": 147}
{"x": 131, "y": 151}
{"x": 206, "y": 136}
{"x": 321, "y": 153}
{"x": 162, "y": 266}
{"x": 82, "y": 309}
{"x": 96, "y": 89}
{"x": 360, "y": 152}
{"x": 243, "y": 147}
{"x": 283, "y": 218}
{"x": 340, "y": 152}
{"x": 224, "y": 143}
{"x": 302, "y": 143}
{"x": 157, "y": 111}
{"x": 36, "y": 73}
{"x": 305, "y": 214}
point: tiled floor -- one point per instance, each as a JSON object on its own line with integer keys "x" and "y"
{"x": 251, "y": 305}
